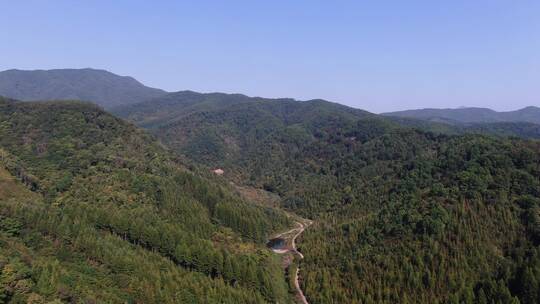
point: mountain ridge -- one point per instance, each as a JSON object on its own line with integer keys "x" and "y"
{"x": 96, "y": 85}
{"x": 529, "y": 114}
{"x": 173, "y": 106}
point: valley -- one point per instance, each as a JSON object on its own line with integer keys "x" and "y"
{"x": 131, "y": 206}
{"x": 381, "y": 192}
{"x": 270, "y": 152}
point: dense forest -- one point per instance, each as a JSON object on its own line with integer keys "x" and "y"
{"x": 519, "y": 129}
{"x": 421, "y": 213}
{"x": 427, "y": 219}
{"x": 94, "y": 210}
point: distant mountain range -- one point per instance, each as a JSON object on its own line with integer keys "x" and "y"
{"x": 113, "y": 91}
{"x": 471, "y": 115}
{"x": 101, "y": 87}
{"x": 154, "y": 108}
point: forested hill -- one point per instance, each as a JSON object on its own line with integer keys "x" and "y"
{"x": 471, "y": 115}
{"x": 174, "y": 107}
{"x": 93, "y": 210}
{"x": 235, "y": 132}
{"x": 98, "y": 86}
{"x": 525, "y": 130}
{"x": 415, "y": 218}
{"x": 400, "y": 215}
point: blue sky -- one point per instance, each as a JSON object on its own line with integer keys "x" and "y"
{"x": 375, "y": 55}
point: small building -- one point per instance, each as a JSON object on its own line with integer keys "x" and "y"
{"x": 218, "y": 171}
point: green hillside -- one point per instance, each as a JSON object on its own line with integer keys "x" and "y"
{"x": 101, "y": 211}
{"x": 239, "y": 134}
{"x": 94, "y": 210}
{"x": 425, "y": 219}
{"x": 525, "y": 130}
{"x": 400, "y": 214}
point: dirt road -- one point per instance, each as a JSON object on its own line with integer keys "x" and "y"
{"x": 290, "y": 247}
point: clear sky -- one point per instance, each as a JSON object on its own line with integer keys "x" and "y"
{"x": 375, "y": 55}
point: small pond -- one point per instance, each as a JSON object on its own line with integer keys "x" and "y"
{"x": 277, "y": 243}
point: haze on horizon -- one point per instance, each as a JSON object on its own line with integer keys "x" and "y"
{"x": 376, "y": 56}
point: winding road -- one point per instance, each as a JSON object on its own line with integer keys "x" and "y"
{"x": 290, "y": 239}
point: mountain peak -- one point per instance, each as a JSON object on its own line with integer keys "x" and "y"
{"x": 99, "y": 86}
{"x": 530, "y": 108}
